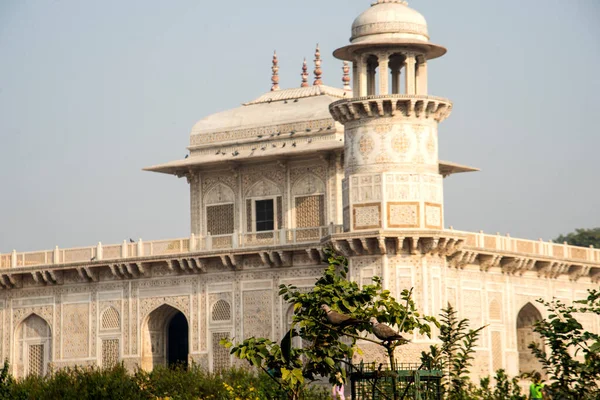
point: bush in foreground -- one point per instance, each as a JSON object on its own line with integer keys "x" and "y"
{"x": 162, "y": 383}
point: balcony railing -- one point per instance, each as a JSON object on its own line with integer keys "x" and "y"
{"x": 531, "y": 247}
{"x": 141, "y": 248}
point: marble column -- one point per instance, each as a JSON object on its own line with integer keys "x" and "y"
{"x": 384, "y": 74}
{"x": 410, "y": 74}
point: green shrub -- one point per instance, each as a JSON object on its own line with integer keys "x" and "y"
{"x": 179, "y": 383}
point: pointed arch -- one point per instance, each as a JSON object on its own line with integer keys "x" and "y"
{"x": 219, "y": 194}
{"x": 110, "y": 319}
{"x": 32, "y": 343}
{"x": 526, "y": 319}
{"x": 165, "y": 337}
{"x": 308, "y": 184}
{"x": 263, "y": 188}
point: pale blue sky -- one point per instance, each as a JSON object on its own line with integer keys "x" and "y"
{"x": 93, "y": 91}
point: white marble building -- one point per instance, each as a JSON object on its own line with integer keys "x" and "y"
{"x": 272, "y": 183}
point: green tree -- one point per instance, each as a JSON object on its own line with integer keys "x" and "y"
{"x": 581, "y": 237}
{"x": 327, "y": 347}
{"x": 453, "y": 357}
{"x": 570, "y": 354}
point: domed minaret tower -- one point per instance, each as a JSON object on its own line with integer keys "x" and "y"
{"x": 392, "y": 177}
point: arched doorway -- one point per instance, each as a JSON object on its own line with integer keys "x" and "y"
{"x": 177, "y": 340}
{"x": 32, "y": 347}
{"x": 165, "y": 338}
{"x": 526, "y": 320}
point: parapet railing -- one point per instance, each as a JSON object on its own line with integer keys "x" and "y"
{"x": 506, "y": 243}
{"x": 238, "y": 240}
{"x": 141, "y": 248}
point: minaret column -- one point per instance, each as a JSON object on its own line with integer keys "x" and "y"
{"x": 384, "y": 74}
{"x": 410, "y": 73}
{"x": 395, "y": 67}
{"x": 362, "y": 76}
{"x": 421, "y": 76}
{"x": 355, "y": 85}
{"x": 371, "y": 74}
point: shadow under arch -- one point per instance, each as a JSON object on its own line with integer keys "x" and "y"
{"x": 165, "y": 338}
{"x": 526, "y": 320}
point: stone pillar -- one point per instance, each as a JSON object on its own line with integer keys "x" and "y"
{"x": 396, "y": 74}
{"x": 371, "y": 83}
{"x": 362, "y": 77}
{"x": 384, "y": 74}
{"x": 410, "y": 73}
{"x": 422, "y": 76}
{"x": 355, "y": 84}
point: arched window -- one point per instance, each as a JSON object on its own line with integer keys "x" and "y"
{"x": 526, "y": 320}
{"x": 32, "y": 351}
{"x": 221, "y": 311}
{"x": 309, "y": 207}
{"x": 110, "y": 319}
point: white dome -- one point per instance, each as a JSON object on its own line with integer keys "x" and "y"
{"x": 389, "y": 20}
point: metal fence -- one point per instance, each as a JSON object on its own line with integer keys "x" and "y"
{"x": 376, "y": 381}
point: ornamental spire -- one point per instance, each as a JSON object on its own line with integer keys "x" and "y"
{"x": 275, "y": 69}
{"x": 346, "y": 77}
{"x": 318, "y": 71}
{"x": 304, "y": 74}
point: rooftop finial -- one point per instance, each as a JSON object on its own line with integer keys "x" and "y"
{"x": 275, "y": 69}
{"x": 304, "y": 74}
{"x": 346, "y": 77}
{"x": 318, "y": 71}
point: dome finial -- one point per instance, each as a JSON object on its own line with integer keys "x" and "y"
{"x": 346, "y": 77}
{"x": 318, "y": 71}
{"x": 304, "y": 74}
{"x": 275, "y": 76}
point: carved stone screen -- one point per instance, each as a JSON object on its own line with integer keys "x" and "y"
{"x": 110, "y": 319}
{"x": 221, "y": 311}
{"x": 310, "y": 213}
{"x": 36, "y": 359}
{"x": 219, "y": 219}
{"x": 221, "y": 357}
{"x": 110, "y": 353}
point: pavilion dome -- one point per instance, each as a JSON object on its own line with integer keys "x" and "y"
{"x": 389, "y": 20}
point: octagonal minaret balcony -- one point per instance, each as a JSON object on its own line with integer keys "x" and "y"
{"x": 391, "y": 105}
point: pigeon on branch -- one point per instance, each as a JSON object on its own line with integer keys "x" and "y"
{"x": 386, "y": 333}
{"x": 339, "y": 319}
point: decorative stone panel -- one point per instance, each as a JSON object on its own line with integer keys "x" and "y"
{"x": 403, "y": 215}
{"x": 257, "y": 313}
{"x": 367, "y": 216}
{"x": 76, "y": 331}
{"x": 433, "y": 216}
{"x": 497, "y": 352}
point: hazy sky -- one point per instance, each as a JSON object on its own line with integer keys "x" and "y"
{"x": 93, "y": 91}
